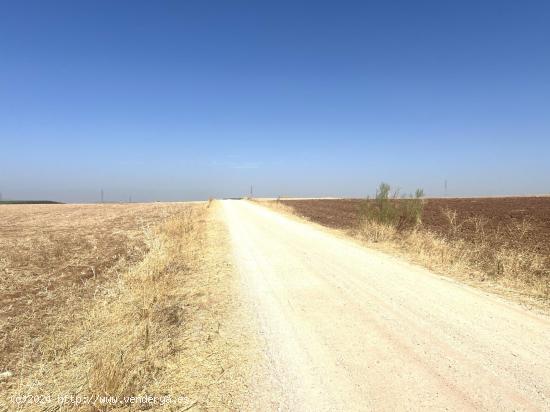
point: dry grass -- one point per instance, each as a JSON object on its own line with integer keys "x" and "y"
{"x": 511, "y": 264}
{"x": 152, "y": 327}
{"x": 53, "y": 257}
{"x": 275, "y": 205}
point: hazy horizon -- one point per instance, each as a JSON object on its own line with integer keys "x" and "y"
{"x": 186, "y": 101}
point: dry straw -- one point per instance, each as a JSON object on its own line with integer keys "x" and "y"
{"x": 153, "y": 327}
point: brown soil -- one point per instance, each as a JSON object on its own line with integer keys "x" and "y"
{"x": 498, "y": 214}
{"x": 54, "y": 257}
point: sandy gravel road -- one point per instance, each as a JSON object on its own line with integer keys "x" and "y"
{"x": 347, "y": 328}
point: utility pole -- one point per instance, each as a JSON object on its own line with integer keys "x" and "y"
{"x": 101, "y": 195}
{"x": 251, "y": 191}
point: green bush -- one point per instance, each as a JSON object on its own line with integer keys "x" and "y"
{"x": 389, "y": 209}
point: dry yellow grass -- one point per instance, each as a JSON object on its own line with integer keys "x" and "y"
{"x": 276, "y": 205}
{"x": 521, "y": 269}
{"x": 53, "y": 257}
{"x": 158, "y": 325}
{"x": 515, "y": 272}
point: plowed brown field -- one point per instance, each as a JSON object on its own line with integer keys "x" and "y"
{"x": 498, "y": 214}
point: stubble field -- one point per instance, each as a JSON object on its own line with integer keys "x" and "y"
{"x": 112, "y": 301}
{"x": 53, "y": 257}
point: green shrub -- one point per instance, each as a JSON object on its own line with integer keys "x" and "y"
{"x": 387, "y": 208}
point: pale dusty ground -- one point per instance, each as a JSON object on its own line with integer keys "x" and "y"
{"x": 347, "y": 328}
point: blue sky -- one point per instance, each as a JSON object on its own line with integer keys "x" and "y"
{"x": 186, "y": 100}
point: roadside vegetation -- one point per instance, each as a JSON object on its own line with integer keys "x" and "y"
{"x": 391, "y": 210}
{"x": 464, "y": 243}
{"x": 396, "y": 223}
{"x": 145, "y": 322}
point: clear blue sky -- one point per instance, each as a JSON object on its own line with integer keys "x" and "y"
{"x": 189, "y": 99}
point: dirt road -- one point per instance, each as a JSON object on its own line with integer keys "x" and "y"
{"x": 347, "y": 328}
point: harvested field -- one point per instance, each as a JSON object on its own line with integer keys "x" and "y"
{"x": 54, "y": 256}
{"x": 497, "y": 213}
{"x": 108, "y": 302}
